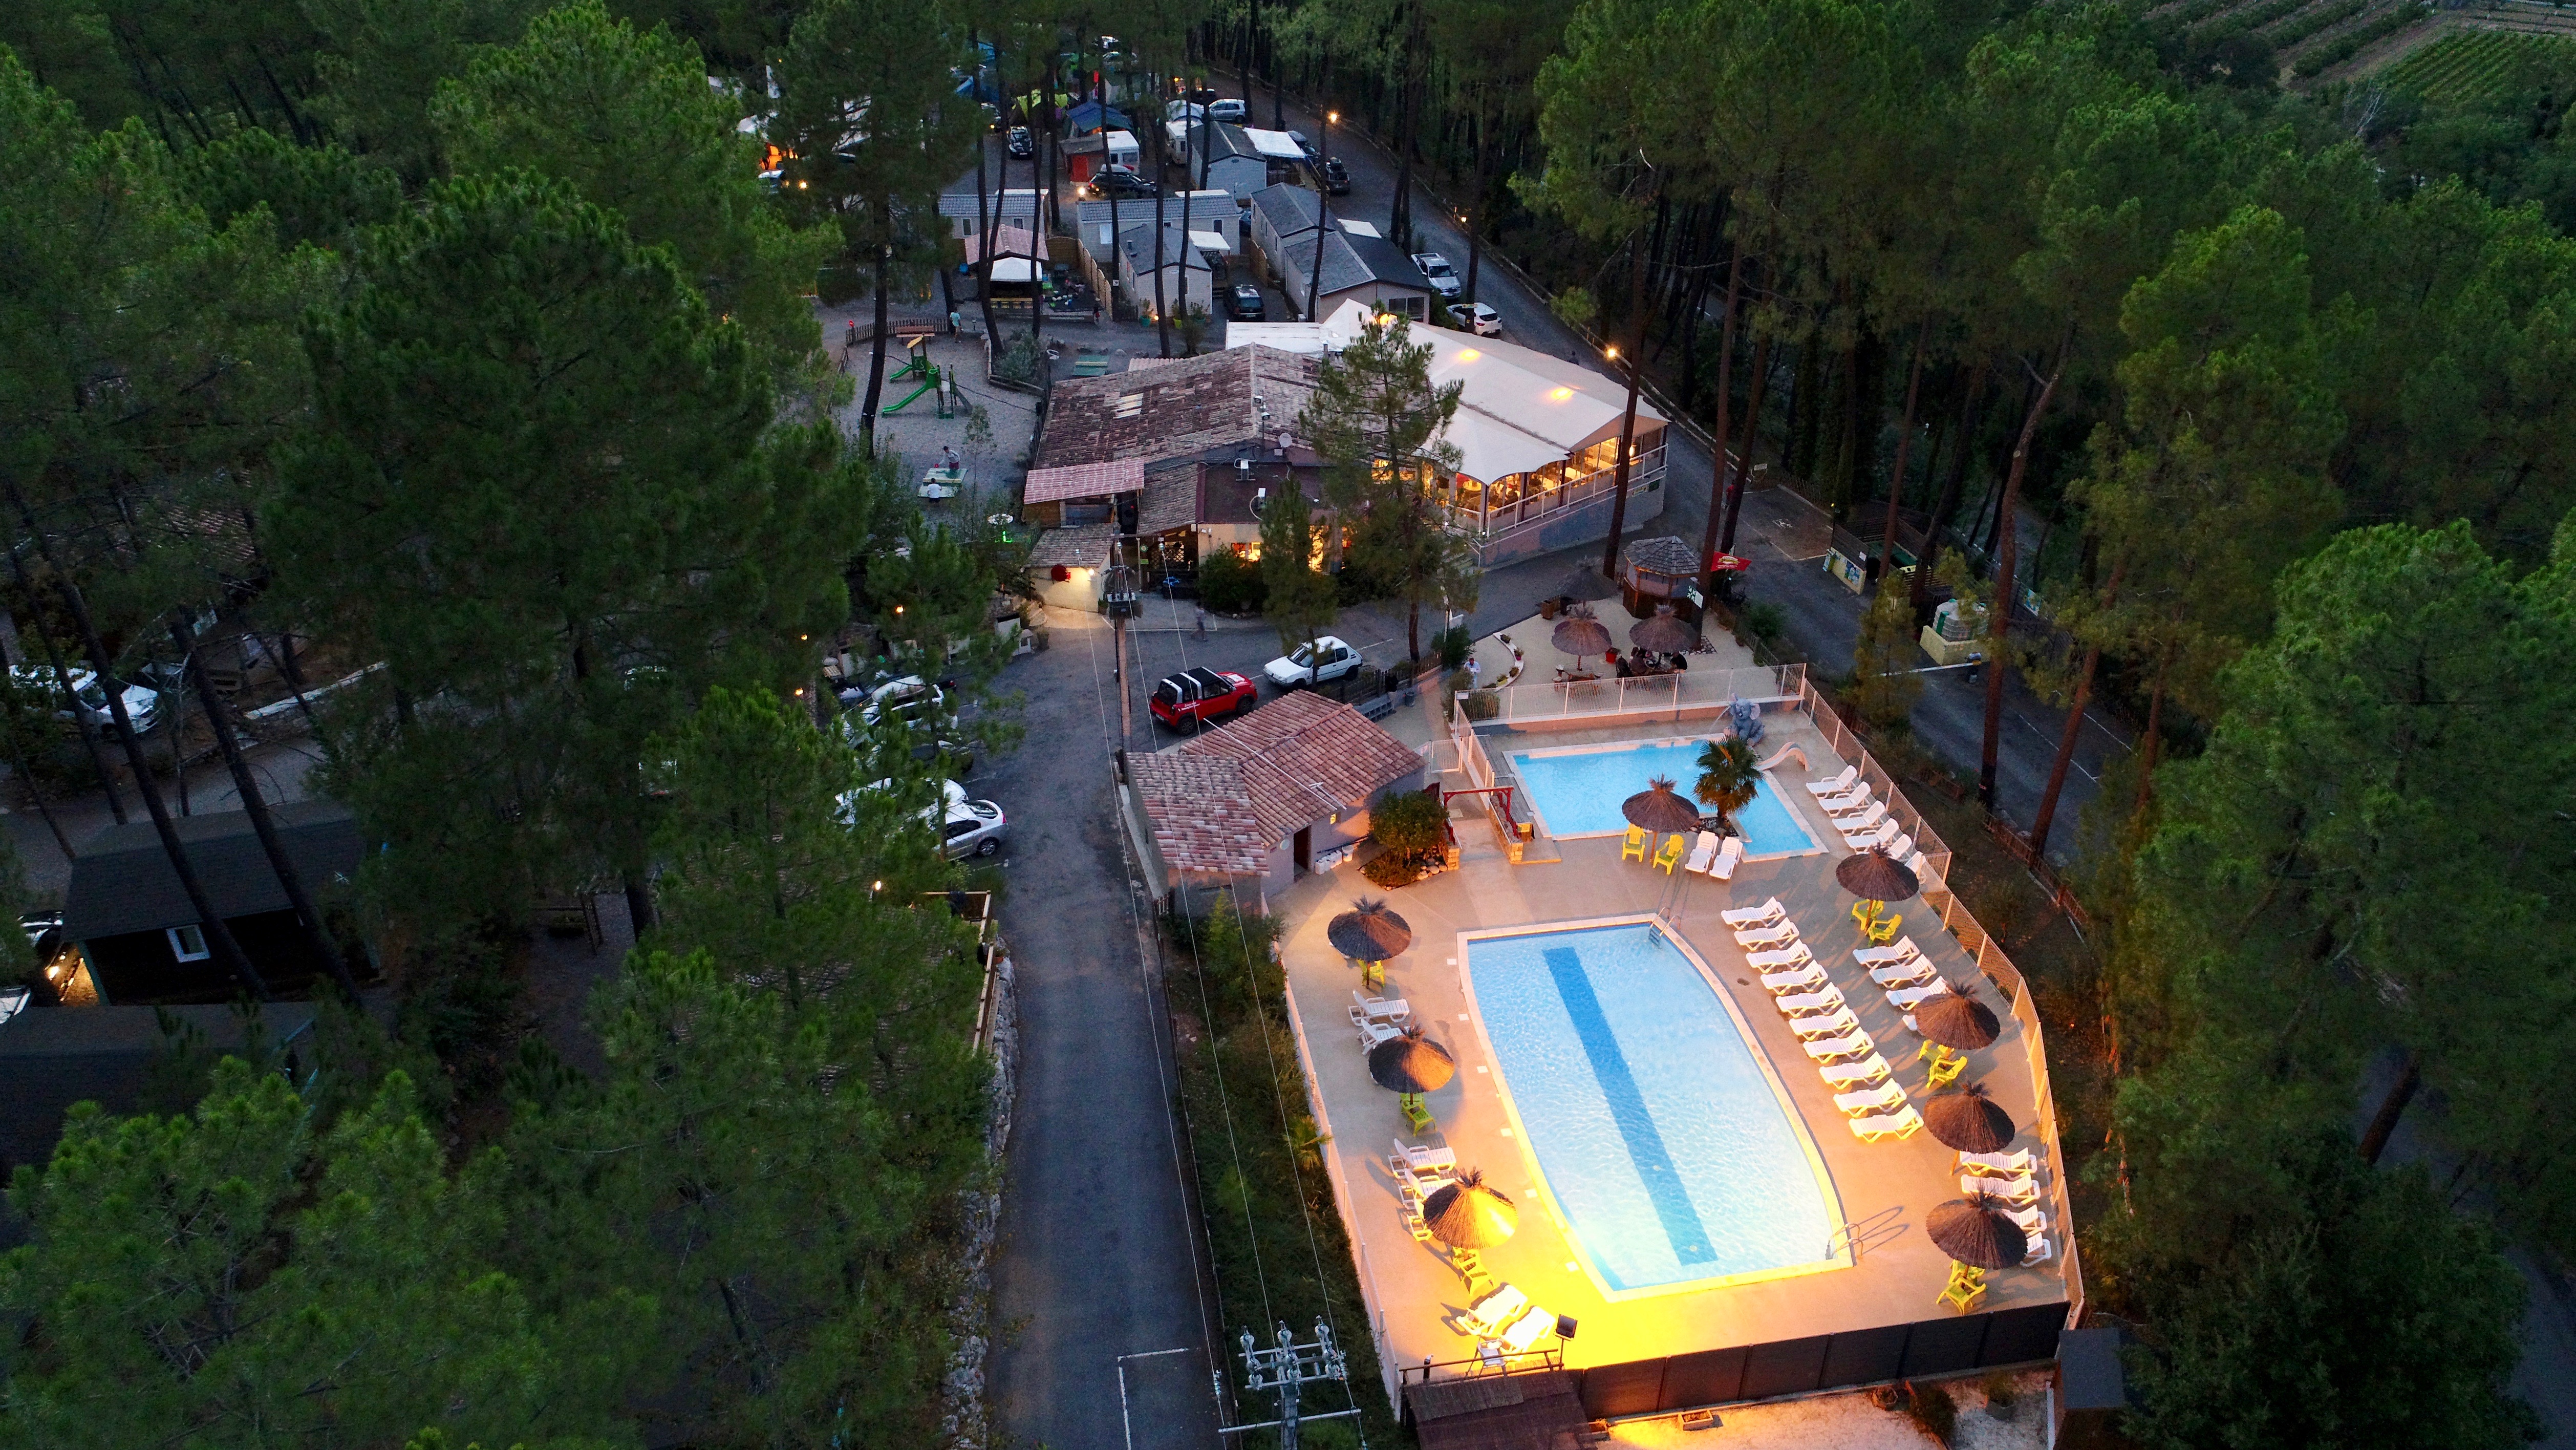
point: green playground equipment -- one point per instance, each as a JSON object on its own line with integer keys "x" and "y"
{"x": 929, "y": 383}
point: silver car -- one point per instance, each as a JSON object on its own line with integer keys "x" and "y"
{"x": 976, "y": 828}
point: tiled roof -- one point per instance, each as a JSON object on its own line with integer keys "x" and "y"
{"x": 1302, "y": 756}
{"x": 1182, "y": 409}
{"x": 1083, "y": 480}
{"x": 1084, "y": 546}
{"x": 1171, "y": 500}
{"x": 1223, "y": 800}
{"x": 1200, "y": 818}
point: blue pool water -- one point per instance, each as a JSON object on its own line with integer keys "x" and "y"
{"x": 1578, "y": 793}
{"x": 1661, "y": 1138}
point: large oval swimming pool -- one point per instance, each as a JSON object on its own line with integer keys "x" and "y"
{"x": 1660, "y": 1133}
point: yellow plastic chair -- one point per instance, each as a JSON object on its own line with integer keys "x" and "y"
{"x": 1635, "y": 849}
{"x": 1945, "y": 1071}
{"x": 1416, "y": 1116}
{"x": 1967, "y": 1285}
{"x": 1883, "y": 930}
{"x": 1863, "y": 913}
{"x": 1372, "y": 975}
{"x": 1671, "y": 855}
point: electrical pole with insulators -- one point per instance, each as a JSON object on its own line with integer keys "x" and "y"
{"x": 1119, "y": 599}
{"x": 1288, "y": 1367}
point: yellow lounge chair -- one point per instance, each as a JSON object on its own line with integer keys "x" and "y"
{"x": 1884, "y": 930}
{"x": 1635, "y": 847}
{"x": 1945, "y": 1071}
{"x": 1671, "y": 855}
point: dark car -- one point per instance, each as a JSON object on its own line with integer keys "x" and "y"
{"x": 1197, "y": 698}
{"x": 1243, "y": 303}
{"x": 1022, "y": 145}
{"x": 1111, "y": 181}
{"x": 1337, "y": 178}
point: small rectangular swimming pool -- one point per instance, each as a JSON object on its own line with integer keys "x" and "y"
{"x": 1662, "y": 1136}
{"x": 1576, "y": 792}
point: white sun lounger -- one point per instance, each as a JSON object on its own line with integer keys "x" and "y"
{"x": 1884, "y": 1098}
{"x": 2039, "y": 1252}
{"x": 1903, "y": 974}
{"x": 1850, "y": 1044}
{"x": 1827, "y": 999}
{"x": 1835, "y": 786}
{"x": 1867, "y": 820}
{"x": 1904, "y": 1123}
{"x": 1744, "y": 918}
{"x": 1526, "y": 1330}
{"x": 1374, "y": 1033}
{"x": 1900, "y": 848}
{"x": 1826, "y": 1025}
{"x": 1490, "y": 1316}
{"x": 1863, "y": 840}
{"x": 1857, "y": 1074}
{"x": 2020, "y": 1192}
{"x": 1921, "y": 866}
{"x": 1379, "y": 1009}
{"x": 1774, "y": 961}
{"x": 1903, "y": 999}
{"x": 1729, "y": 856}
{"x": 2030, "y": 1221}
{"x": 1703, "y": 851}
{"x": 1808, "y": 978}
{"x": 1423, "y": 1160}
{"x": 2018, "y": 1164}
{"x": 1904, "y": 951}
{"x": 1848, "y": 805}
{"x": 1767, "y": 938}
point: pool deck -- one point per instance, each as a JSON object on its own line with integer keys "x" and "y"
{"x": 1886, "y": 1188}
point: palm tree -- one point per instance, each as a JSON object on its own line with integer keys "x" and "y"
{"x": 1727, "y": 776}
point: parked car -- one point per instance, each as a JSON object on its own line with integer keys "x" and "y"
{"x": 1228, "y": 110}
{"x": 1197, "y": 698}
{"x": 1437, "y": 271}
{"x": 911, "y": 698}
{"x": 952, "y": 797}
{"x": 142, "y": 703}
{"x": 1312, "y": 664}
{"x": 1121, "y": 181}
{"x": 1477, "y": 318}
{"x": 1337, "y": 178}
{"x": 1022, "y": 144}
{"x": 1303, "y": 144}
{"x": 1243, "y": 303}
{"x": 973, "y": 829}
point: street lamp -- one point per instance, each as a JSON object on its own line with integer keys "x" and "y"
{"x": 1323, "y": 216}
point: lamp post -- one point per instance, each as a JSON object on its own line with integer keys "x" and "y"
{"x": 1323, "y": 215}
{"x": 1119, "y": 599}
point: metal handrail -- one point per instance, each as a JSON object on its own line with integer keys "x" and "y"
{"x": 1549, "y": 1358}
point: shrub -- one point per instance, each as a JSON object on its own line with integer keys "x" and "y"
{"x": 1412, "y": 825}
{"x": 1389, "y": 870}
{"x": 1018, "y": 360}
{"x": 1231, "y": 584}
{"x": 1450, "y": 646}
{"x": 1484, "y": 705}
{"x": 1765, "y": 622}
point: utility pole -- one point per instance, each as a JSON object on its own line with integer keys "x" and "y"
{"x": 1120, "y": 598}
{"x": 1288, "y": 1367}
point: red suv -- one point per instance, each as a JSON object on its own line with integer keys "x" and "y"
{"x": 1197, "y": 698}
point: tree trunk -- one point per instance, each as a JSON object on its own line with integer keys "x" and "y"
{"x": 1798, "y": 453}
{"x": 2374, "y": 1140}
{"x": 2074, "y": 730}
{"x": 308, "y": 917}
{"x": 2155, "y": 735}
{"x": 1947, "y": 502}
{"x": 1041, "y": 179}
{"x": 1904, "y": 446}
{"x": 1999, "y": 611}
{"x": 876, "y": 355}
{"x": 1628, "y": 422}
{"x": 983, "y": 199}
{"x": 87, "y": 730}
{"x": 1475, "y": 219}
{"x": 219, "y": 937}
{"x": 1752, "y": 439}
{"x": 1162, "y": 173}
{"x": 1722, "y": 470}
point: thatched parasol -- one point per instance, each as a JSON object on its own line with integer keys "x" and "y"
{"x": 1663, "y": 634}
{"x": 1956, "y": 1019}
{"x": 1976, "y": 1230}
{"x": 1468, "y": 1215}
{"x": 1579, "y": 634}
{"x": 1968, "y": 1120}
{"x": 1411, "y": 1063}
{"x": 1873, "y": 875}
{"x": 1368, "y": 932}
{"x": 1658, "y": 809}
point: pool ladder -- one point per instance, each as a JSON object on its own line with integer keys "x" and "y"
{"x": 1855, "y": 1235}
